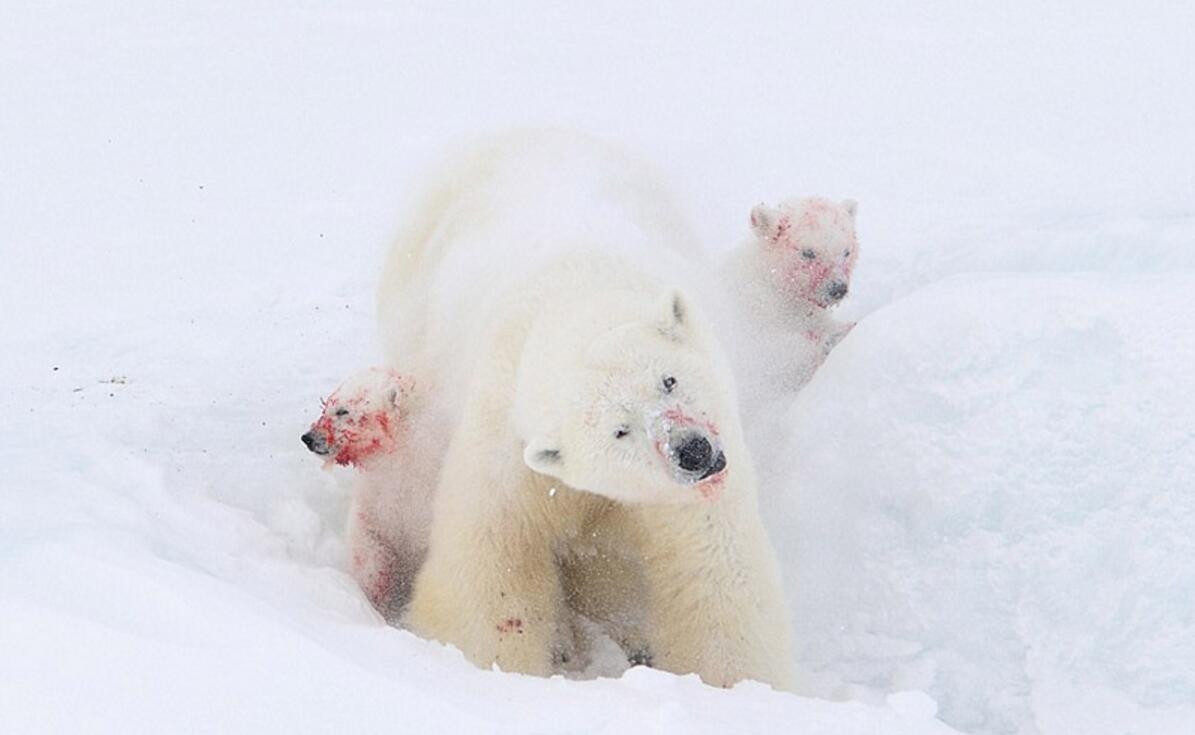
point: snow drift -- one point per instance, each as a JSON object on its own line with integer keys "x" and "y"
{"x": 990, "y": 501}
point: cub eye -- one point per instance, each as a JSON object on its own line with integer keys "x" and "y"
{"x": 342, "y": 412}
{"x": 846, "y": 253}
{"x": 668, "y": 383}
{"x": 622, "y": 432}
{"x": 808, "y": 254}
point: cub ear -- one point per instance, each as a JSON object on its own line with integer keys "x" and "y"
{"x": 398, "y": 388}
{"x": 675, "y": 318}
{"x": 851, "y": 206}
{"x": 765, "y": 221}
{"x": 543, "y": 455}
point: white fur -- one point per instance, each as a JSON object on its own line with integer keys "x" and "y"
{"x": 390, "y": 513}
{"x": 541, "y": 368}
{"x": 552, "y": 192}
{"x": 779, "y": 320}
{"x": 782, "y": 303}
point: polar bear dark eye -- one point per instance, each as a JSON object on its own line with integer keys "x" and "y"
{"x": 622, "y": 432}
{"x": 808, "y": 254}
{"x": 668, "y": 383}
{"x": 342, "y": 412}
{"x": 846, "y": 253}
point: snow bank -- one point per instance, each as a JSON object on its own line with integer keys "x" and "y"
{"x": 129, "y": 609}
{"x": 991, "y": 501}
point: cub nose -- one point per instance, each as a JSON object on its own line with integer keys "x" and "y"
{"x": 694, "y": 454}
{"x": 837, "y": 290}
{"x": 315, "y": 442}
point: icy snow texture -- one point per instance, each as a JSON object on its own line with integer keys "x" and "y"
{"x": 991, "y": 495}
{"x": 1015, "y": 514}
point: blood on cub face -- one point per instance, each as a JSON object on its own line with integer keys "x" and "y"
{"x": 360, "y": 421}
{"x": 810, "y": 246}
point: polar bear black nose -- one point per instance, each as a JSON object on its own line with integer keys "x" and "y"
{"x": 315, "y": 442}
{"x": 837, "y": 290}
{"x": 694, "y": 454}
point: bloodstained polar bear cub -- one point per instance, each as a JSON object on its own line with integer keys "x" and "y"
{"x": 785, "y": 279}
{"x": 594, "y": 416}
{"x": 373, "y": 422}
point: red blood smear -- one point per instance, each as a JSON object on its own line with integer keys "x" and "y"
{"x": 510, "y": 625}
{"x": 678, "y": 416}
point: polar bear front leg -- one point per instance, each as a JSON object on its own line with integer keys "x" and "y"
{"x": 716, "y": 607}
{"x": 526, "y": 616}
{"x": 373, "y": 563}
{"x": 608, "y": 588}
{"x": 835, "y": 333}
{"x": 496, "y": 606}
{"x": 490, "y": 585}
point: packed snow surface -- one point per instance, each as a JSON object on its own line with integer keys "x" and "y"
{"x": 1015, "y": 531}
{"x": 985, "y": 514}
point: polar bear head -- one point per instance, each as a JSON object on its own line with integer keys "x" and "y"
{"x": 361, "y": 420}
{"x": 635, "y": 416}
{"x": 809, "y": 247}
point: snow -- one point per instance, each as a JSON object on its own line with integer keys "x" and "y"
{"x": 989, "y": 519}
{"x": 1015, "y": 516}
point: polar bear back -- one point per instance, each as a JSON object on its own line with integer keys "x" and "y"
{"x": 502, "y": 210}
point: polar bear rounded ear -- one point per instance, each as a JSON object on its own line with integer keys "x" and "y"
{"x": 765, "y": 221}
{"x": 675, "y": 319}
{"x": 851, "y": 206}
{"x": 398, "y": 388}
{"x": 543, "y": 455}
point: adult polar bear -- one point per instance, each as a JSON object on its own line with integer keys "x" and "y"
{"x": 589, "y": 414}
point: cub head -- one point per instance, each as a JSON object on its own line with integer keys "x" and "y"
{"x": 810, "y": 247}
{"x": 361, "y": 419}
{"x": 636, "y": 417}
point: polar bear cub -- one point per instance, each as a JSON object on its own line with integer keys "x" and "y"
{"x": 785, "y": 278}
{"x": 371, "y": 423}
{"x": 809, "y": 249}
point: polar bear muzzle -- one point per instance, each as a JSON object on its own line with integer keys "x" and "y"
{"x": 694, "y": 456}
{"x": 317, "y": 442}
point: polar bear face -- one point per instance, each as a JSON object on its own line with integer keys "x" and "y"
{"x": 640, "y": 419}
{"x": 809, "y": 247}
{"x": 361, "y": 419}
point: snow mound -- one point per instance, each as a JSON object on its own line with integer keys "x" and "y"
{"x": 131, "y": 607}
{"x": 991, "y": 501}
